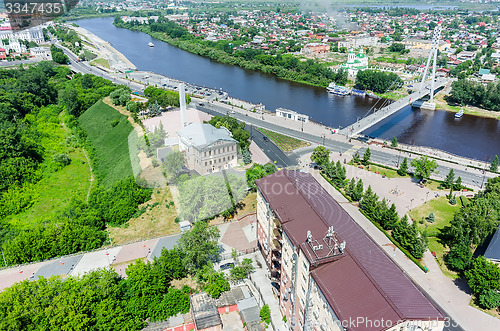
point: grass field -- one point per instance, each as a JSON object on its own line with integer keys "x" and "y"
{"x": 157, "y": 220}
{"x": 286, "y": 143}
{"x": 443, "y": 213}
{"x": 442, "y": 210}
{"x": 110, "y": 143}
{"x": 101, "y": 62}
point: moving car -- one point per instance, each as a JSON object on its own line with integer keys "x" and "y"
{"x": 265, "y": 138}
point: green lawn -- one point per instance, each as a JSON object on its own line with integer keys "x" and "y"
{"x": 110, "y": 143}
{"x": 54, "y": 192}
{"x": 286, "y": 143}
{"x": 101, "y": 62}
{"x": 440, "y": 250}
{"x": 442, "y": 210}
{"x": 389, "y": 173}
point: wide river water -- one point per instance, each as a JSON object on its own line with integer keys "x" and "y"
{"x": 469, "y": 136}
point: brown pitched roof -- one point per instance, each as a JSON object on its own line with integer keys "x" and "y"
{"x": 370, "y": 283}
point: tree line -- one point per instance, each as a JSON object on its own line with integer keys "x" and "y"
{"x": 468, "y": 229}
{"x": 468, "y": 92}
{"x": 377, "y": 81}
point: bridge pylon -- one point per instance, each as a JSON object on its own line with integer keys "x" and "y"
{"x": 432, "y": 56}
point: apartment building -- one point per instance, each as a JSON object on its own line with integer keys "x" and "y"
{"x": 327, "y": 272}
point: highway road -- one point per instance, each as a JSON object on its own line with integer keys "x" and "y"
{"x": 471, "y": 177}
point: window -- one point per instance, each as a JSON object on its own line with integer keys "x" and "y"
{"x": 209, "y": 153}
{"x": 205, "y": 163}
{"x": 304, "y": 278}
{"x": 303, "y": 292}
{"x": 305, "y": 267}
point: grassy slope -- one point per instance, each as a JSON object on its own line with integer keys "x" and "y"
{"x": 55, "y": 191}
{"x": 110, "y": 143}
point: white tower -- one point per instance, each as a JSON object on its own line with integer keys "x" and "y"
{"x": 182, "y": 101}
{"x": 432, "y": 56}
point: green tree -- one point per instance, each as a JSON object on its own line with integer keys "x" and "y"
{"x": 369, "y": 201}
{"x": 321, "y": 155}
{"x": 457, "y": 186}
{"x": 357, "y": 194}
{"x": 403, "y": 167}
{"x": 366, "y": 156}
{"x": 424, "y": 167}
{"x": 349, "y": 190}
{"x": 494, "y": 164}
{"x": 242, "y": 270}
{"x": 394, "y": 142}
{"x": 489, "y": 299}
{"x": 247, "y": 157}
{"x": 174, "y": 161}
{"x": 257, "y": 171}
{"x": 483, "y": 276}
{"x": 431, "y": 218}
{"x": 459, "y": 257}
{"x": 408, "y": 236}
{"x": 389, "y": 218}
{"x": 265, "y": 314}
{"x": 200, "y": 245}
{"x": 449, "y": 180}
{"x": 212, "y": 282}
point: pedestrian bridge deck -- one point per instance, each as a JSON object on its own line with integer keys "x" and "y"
{"x": 387, "y": 111}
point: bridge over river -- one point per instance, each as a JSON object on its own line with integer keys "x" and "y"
{"x": 387, "y": 111}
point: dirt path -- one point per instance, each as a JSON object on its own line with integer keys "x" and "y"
{"x": 91, "y": 173}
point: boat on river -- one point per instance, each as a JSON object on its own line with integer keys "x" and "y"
{"x": 357, "y": 92}
{"x": 338, "y": 90}
{"x": 460, "y": 113}
{"x": 150, "y": 44}
{"x": 370, "y": 94}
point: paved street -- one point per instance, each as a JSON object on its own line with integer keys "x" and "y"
{"x": 338, "y": 144}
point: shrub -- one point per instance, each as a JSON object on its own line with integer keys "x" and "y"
{"x": 265, "y": 314}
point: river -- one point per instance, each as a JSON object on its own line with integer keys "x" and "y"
{"x": 469, "y": 136}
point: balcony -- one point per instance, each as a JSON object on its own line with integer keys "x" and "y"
{"x": 276, "y": 275}
{"x": 276, "y": 265}
{"x": 276, "y": 223}
{"x": 278, "y": 233}
{"x": 276, "y": 255}
{"x": 276, "y": 245}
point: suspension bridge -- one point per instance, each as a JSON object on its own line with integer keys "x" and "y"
{"x": 426, "y": 87}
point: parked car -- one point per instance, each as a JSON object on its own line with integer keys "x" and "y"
{"x": 265, "y": 138}
{"x": 315, "y": 166}
{"x": 226, "y": 266}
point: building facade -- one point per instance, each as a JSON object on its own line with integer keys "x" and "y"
{"x": 316, "y": 48}
{"x": 328, "y": 273}
{"x": 207, "y": 149}
{"x": 290, "y": 114}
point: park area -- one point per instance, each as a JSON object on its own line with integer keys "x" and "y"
{"x": 443, "y": 213}
{"x": 287, "y": 144}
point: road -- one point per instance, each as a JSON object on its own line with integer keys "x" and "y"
{"x": 470, "y": 177}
